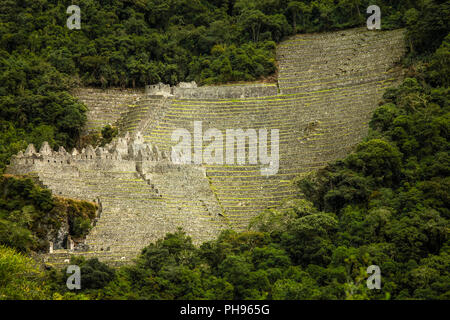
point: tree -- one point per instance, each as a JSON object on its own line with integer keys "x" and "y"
{"x": 108, "y": 133}
{"x": 20, "y": 278}
{"x": 378, "y": 159}
{"x": 439, "y": 68}
{"x": 253, "y": 19}
{"x": 296, "y": 8}
{"x": 353, "y": 5}
{"x": 288, "y": 289}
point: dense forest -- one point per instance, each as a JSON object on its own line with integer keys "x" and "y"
{"x": 384, "y": 204}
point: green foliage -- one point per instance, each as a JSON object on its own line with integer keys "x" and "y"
{"x": 80, "y": 227}
{"x": 20, "y": 278}
{"x": 35, "y": 105}
{"x": 230, "y": 63}
{"x": 429, "y": 26}
{"x": 108, "y": 133}
{"x": 95, "y": 274}
{"x": 439, "y": 69}
{"x": 30, "y": 214}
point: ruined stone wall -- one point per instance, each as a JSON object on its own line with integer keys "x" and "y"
{"x": 226, "y": 92}
{"x": 189, "y": 90}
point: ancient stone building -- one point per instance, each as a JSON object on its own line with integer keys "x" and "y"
{"x": 328, "y": 86}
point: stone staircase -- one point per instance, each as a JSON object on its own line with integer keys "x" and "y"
{"x": 145, "y": 113}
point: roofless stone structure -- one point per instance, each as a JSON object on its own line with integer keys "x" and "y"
{"x": 328, "y": 86}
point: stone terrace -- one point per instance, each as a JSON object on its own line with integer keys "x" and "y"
{"x": 314, "y": 62}
{"x": 105, "y": 106}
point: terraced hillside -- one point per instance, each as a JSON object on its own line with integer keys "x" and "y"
{"x": 314, "y": 62}
{"x": 328, "y": 86}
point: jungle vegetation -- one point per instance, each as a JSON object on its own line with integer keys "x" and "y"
{"x": 386, "y": 203}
